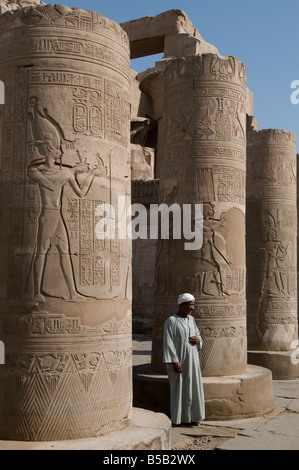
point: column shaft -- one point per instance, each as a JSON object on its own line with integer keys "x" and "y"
{"x": 65, "y": 296}
{"x": 271, "y": 240}
{"x": 204, "y": 162}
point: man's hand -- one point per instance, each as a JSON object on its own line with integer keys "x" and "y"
{"x": 194, "y": 340}
{"x": 177, "y": 367}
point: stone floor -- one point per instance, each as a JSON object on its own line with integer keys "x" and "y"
{"x": 278, "y": 430}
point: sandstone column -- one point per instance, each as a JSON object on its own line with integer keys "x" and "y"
{"x": 204, "y": 163}
{"x": 272, "y": 249}
{"x": 65, "y": 295}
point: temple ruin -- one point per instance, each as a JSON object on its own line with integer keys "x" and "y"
{"x": 83, "y": 133}
{"x": 207, "y": 148}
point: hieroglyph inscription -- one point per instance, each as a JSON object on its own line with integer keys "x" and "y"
{"x": 209, "y": 119}
{"x": 100, "y": 108}
{"x": 51, "y": 175}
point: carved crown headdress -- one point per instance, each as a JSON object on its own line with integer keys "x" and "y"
{"x": 45, "y": 131}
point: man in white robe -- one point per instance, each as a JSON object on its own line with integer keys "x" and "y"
{"x": 182, "y": 341}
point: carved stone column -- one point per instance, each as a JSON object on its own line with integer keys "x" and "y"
{"x": 204, "y": 163}
{"x": 65, "y": 294}
{"x": 272, "y": 250}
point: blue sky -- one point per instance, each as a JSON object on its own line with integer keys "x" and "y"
{"x": 264, "y": 34}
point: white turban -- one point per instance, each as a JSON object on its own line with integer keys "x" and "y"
{"x": 185, "y": 298}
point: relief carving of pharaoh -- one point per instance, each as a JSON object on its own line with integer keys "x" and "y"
{"x": 215, "y": 256}
{"x": 51, "y": 175}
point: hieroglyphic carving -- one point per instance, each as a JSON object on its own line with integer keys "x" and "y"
{"x": 56, "y": 169}
{"x": 97, "y": 373}
{"x": 87, "y": 111}
{"x": 87, "y": 378}
{"x": 271, "y": 239}
{"x": 218, "y": 310}
{"x": 270, "y": 167}
{"x": 43, "y": 324}
{"x": 51, "y": 175}
{"x": 93, "y": 98}
{"x": 207, "y": 119}
{"x": 230, "y": 185}
{"x": 205, "y": 161}
{"x": 220, "y": 183}
{"x": 60, "y": 17}
{"x": 13, "y": 169}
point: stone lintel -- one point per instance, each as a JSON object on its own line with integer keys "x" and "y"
{"x": 153, "y": 34}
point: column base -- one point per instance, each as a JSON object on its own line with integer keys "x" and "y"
{"x": 239, "y": 396}
{"x": 281, "y": 363}
{"x": 147, "y": 431}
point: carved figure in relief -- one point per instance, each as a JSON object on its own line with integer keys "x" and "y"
{"x": 47, "y": 170}
{"x": 201, "y": 124}
{"x": 214, "y": 254}
{"x": 276, "y": 278}
{"x": 177, "y": 122}
{"x": 213, "y": 275}
{"x": 272, "y": 170}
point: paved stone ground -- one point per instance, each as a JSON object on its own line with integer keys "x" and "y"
{"x": 278, "y": 430}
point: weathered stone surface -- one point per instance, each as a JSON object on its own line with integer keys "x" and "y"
{"x": 170, "y": 32}
{"x": 147, "y": 431}
{"x": 65, "y": 293}
{"x": 204, "y": 163}
{"x": 271, "y": 240}
{"x": 6, "y": 5}
{"x": 283, "y": 364}
{"x": 143, "y": 133}
{"x": 142, "y": 162}
{"x": 247, "y": 395}
{"x": 153, "y": 85}
{"x": 144, "y": 192}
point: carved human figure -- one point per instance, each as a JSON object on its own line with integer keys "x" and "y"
{"x": 275, "y": 271}
{"x": 276, "y": 276}
{"x": 51, "y": 176}
{"x": 214, "y": 252}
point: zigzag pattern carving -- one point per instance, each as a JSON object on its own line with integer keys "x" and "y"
{"x": 68, "y": 404}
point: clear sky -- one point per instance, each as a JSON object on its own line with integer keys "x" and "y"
{"x": 263, "y": 34}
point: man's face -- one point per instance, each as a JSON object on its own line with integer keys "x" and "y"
{"x": 188, "y": 307}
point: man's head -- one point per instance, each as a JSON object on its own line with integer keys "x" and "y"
{"x": 186, "y": 304}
